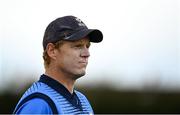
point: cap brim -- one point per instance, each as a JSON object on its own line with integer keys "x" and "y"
{"x": 93, "y": 34}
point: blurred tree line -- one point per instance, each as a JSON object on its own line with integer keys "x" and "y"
{"x": 106, "y": 100}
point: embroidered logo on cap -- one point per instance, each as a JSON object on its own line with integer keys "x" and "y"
{"x": 80, "y": 23}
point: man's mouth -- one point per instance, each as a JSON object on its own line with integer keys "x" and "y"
{"x": 83, "y": 62}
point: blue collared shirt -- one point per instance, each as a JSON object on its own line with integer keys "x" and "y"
{"x": 40, "y": 106}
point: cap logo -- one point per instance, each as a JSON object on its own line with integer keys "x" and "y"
{"x": 80, "y": 23}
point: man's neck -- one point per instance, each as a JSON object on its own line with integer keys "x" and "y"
{"x": 61, "y": 78}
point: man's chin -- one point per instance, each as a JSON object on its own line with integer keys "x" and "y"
{"x": 79, "y": 75}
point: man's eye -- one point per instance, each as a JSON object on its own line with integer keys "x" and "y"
{"x": 88, "y": 45}
{"x": 81, "y": 46}
{"x": 78, "y": 46}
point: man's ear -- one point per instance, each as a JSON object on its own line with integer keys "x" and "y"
{"x": 51, "y": 50}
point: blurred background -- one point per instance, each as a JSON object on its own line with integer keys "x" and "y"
{"x": 136, "y": 69}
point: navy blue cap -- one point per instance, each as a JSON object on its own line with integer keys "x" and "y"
{"x": 69, "y": 28}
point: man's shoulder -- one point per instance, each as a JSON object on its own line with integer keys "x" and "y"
{"x": 35, "y": 106}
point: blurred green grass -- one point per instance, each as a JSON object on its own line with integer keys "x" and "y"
{"x": 106, "y": 100}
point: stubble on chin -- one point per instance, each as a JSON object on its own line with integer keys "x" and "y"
{"x": 77, "y": 76}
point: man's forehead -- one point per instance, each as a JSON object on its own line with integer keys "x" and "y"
{"x": 83, "y": 40}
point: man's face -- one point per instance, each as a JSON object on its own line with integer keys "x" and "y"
{"x": 72, "y": 57}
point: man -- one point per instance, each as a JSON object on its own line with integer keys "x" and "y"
{"x": 66, "y": 45}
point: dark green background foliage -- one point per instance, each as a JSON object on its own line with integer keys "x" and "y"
{"x": 105, "y": 100}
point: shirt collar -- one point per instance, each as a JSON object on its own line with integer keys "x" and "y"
{"x": 60, "y": 88}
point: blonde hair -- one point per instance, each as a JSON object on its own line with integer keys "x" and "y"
{"x": 46, "y": 57}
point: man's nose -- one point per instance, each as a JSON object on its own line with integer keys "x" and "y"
{"x": 85, "y": 52}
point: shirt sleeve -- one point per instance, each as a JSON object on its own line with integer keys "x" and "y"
{"x": 35, "y": 106}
